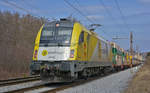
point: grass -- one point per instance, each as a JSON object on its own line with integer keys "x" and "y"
{"x": 141, "y": 81}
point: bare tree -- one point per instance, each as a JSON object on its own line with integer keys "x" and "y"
{"x": 17, "y": 35}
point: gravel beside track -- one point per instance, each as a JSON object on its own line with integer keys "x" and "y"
{"x": 41, "y": 90}
{"x": 110, "y": 83}
{"x": 115, "y": 83}
{"x": 47, "y": 88}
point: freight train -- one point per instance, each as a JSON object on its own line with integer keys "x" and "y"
{"x": 65, "y": 51}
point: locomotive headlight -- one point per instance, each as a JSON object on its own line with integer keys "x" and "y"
{"x": 72, "y": 53}
{"x": 35, "y": 54}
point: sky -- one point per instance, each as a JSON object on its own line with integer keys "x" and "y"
{"x": 117, "y": 17}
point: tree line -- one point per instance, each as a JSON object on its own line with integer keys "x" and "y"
{"x": 17, "y": 36}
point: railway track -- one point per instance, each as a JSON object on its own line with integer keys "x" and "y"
{"x": 53, "y": 88}
{"x": 18, "y": 80}
{"x": 36, "y": 86}
{"x": 77, "y": 83}
{"x": 22, "y": 90}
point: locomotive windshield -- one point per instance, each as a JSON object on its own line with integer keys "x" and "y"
{"x": 56, "y": 35}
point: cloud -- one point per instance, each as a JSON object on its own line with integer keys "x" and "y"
{"x": 139, "y": 14}
{"x": 3, "y": 3}
{"x": 145, "y": 1}
{"x": 95, "y": 17}
{"x": 94, "y": 8}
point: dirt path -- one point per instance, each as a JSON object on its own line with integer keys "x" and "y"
{"x": 141, "y": 81}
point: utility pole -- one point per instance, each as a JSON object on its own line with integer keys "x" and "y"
{"x": 131, "y": 47}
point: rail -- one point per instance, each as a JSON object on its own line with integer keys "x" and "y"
{"x": 18, "y": 80}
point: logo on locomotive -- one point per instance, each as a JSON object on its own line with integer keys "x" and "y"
{"x": 44, "y": 52}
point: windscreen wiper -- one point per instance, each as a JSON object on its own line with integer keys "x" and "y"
{"x": 60, "y": 44}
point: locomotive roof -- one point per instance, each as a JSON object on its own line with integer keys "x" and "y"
{"x": 62, "y": 23}
{"x": 101, "y": 38}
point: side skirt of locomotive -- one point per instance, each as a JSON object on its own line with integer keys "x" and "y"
{"x": 68, "y": 71}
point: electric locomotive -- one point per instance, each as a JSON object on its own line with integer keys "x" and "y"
{"x": 65, "y": 51}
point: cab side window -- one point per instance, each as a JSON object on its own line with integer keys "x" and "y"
{"x": 88, "y": 37}
{"x": 81, "y": 38}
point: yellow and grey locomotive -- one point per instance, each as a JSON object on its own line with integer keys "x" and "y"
{"x": 65, "y": 50}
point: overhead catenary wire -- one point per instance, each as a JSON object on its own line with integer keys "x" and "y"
{"x": 122, "y": 15}
{"x": 36, "y": 9}
{"x": 77, "y": 2}
{"x": 92, "y": 18}
{"x": 71, "y": 5}
{"x": 108, "y": 35}
{"x": 16, "y": 6}
{"x": 110, "y": 15}
{"x": 28, "y": 4}
{"x": 106, "y": 9}
{"x": 27, "y": 11}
